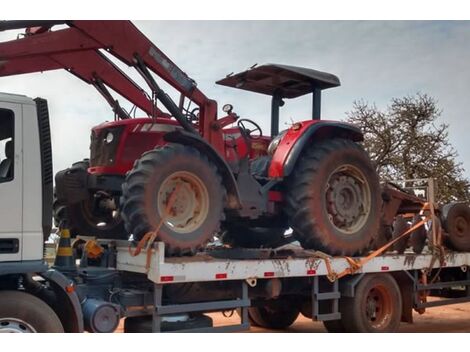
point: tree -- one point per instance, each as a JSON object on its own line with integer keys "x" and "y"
{"x": 406, "y": 141}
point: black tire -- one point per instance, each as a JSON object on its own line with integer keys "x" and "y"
{"x": 318, "y": 212}
{"x": 255, "y": 237}
{"x": 456, "y": 223}
{"x": 375, "y": 307}
{"x": 156, "y": 171}
{"x": 418, "y": 236}
{"x": 400, "y": 225}
{"x": 22, "y": 312}
{"x": 144, "y": 324}
{"x": 274, "y": 314}
{"x": 82, "y": 220}
{"x": 334, "y": 326}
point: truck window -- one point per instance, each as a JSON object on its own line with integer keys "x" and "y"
{"x": 7, "y": 149}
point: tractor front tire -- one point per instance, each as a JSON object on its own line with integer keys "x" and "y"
{"x": 83, "y": 219}
{"x": 197, "y": 211}
{"x": 334, "y": 198}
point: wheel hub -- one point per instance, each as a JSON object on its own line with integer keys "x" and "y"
{"x": 12, "y": 325}
{"x": 378, "y": 307}
{"x": 191, "y": 204}
{"x": 348, "y": 199}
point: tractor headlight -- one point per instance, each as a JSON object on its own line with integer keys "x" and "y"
{"x": 275, "y": 142}
{"x": 109, "y": 138}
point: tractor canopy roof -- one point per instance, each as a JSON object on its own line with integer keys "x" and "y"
{"x": 287, "y": 81}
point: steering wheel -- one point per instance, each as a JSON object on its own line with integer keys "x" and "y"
{"x": 250, "y": 132}
{"x": 193, "y": 115}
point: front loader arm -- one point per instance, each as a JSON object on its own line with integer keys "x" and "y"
{"x": 30, "y": 54}
{"x": 122, "y": 40}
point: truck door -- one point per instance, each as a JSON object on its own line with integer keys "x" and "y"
{"x": 10, "y": 182}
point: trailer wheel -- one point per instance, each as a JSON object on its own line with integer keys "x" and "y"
{"x": 334, "y": 326}
{"x": 21, "y": 312}
{"x": 254, "y": 237}
{"x": 456, "y": 222}
{"x": 86, "y": 218}
{"x": 400, "y": 225}
{"x": 334, "y": 198}
{"x": 274, "y": 314}
{"x": 198, "y": 207}
{"x": 375, "y": 307}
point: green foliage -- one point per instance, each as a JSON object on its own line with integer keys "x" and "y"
{"x": 406, "y": 141}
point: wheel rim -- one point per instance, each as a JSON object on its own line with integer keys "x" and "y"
{"x": 348, "y": 199}
{"x": 191, "y": 204}
{"x": 378, "y": 307}
{"x": 12, "y": 325}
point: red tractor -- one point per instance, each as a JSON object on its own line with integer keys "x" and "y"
{"x": 232, "y": 180}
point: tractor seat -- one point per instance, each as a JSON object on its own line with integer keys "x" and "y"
{"x": 259, "y": 166}
{"x": 6, "y": 166}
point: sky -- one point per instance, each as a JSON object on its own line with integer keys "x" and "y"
{"x": 375, "y": 61}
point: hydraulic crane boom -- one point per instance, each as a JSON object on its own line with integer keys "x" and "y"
{"x": 76, "y": 49}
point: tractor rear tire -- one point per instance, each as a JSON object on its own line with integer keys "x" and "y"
{"x": 274, "y": 314}
{"x": 23, "y": 312}
{"x": 198, "y": 207}
{"x": 254, "y": 237}
{"x": 334, "y": 198}
{"x": 375, "y": 307}
{"x": 82, "y": 220}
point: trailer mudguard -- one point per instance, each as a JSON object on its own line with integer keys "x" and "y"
{"x": 190, "y": 139}
{"x": 302, "y": 134}
{"x": 70, "y": 312}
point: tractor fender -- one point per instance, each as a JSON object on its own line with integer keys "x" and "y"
{"x": 195, "y": 141}
{"x": 302, "y": 135}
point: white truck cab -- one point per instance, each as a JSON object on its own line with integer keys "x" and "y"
{"x": 23, "y": 179}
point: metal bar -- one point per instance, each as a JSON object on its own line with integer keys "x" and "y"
{"x": 157, "y": 319}
{"x": 202, "y": 307}
{"x": 316, "y": 104}
{"x": 9, "y": 25}
{"x": 315, "y": 291}
{"x": 275, "y": 107}
{"x": 438, "y": 285}
{"x": 325, "y": 296}
{"x": 163, "y": 97}
{"x": 443, "y": 302}
{"x": 329, "y": 316}
{"x": 244, "y": 317}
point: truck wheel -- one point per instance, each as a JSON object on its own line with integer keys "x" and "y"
{"x": 198, "y": 207}
{"x": 456, "y": 222}
{"x": 22, "y": 313}
{"x": 375, "y": 307}
{"x": 274, "y": 314}
{"x": 87, "y": 218}
{"x": 254, "y": 237}
{"x": 334, "y": 326}
{"x": 334, "y": 198}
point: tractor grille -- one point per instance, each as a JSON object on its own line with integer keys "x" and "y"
{"x": 101, "y": 152}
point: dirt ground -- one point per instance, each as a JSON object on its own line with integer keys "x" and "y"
{"x": 454, "y": 318}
